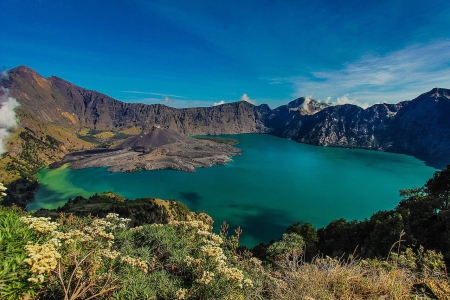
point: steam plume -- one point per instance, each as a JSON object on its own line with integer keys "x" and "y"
{"x": 8, "y": 118}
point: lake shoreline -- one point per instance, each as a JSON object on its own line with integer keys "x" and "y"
{"x": 273, "y": 184}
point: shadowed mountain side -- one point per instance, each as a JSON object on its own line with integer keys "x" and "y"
{"x": 419, "y": 127}
{"x": 158, "y": 148}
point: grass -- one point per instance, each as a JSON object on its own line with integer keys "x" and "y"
{"x": 13, "y": 238}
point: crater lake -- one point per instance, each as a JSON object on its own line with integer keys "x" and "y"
{"x": 274, "y": 183}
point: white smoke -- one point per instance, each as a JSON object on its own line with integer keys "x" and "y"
{"x": 8, "y": 118}
{"x": 247, "y": 99}
{"x": 4, "y": 74}
{"x": 219, "y": 103}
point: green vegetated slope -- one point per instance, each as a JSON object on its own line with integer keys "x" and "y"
{"x": 398, "y": 254}
{"x": 140, "y": 211}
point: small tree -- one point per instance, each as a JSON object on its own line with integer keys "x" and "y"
{"x": 309, "y": 234}
{"x": 438, "y": 188}
{"x": 286, "y": 252}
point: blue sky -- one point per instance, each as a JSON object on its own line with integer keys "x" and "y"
{"x": 198, "y": 53}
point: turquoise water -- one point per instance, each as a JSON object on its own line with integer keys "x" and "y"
{"x": 274, "y": 183}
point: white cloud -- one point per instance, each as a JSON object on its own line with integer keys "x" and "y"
{"x": 8, "y": 117}
{"x": 397, "y": 76}
{"x": 4, "y": 74}
{"x": 152, "y": 93}
{"x": 247, "y": 99}
{"x": 219, "y": 103}
{"x": 344, "y": 100}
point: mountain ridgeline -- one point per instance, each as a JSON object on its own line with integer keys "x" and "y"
{"x": 418, "y": 127}
{"x": 54, "y": 100}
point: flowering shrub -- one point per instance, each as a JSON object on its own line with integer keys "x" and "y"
{"x": 186, "y": 261}
{"x": 43, "y": 259}
{"x": 211, "y": 269}
{"x": 87, "y": 258}
{"x": 77, "y": 256}
{"x": 2, "y": 191}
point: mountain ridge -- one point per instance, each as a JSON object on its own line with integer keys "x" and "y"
{"x": 417, "y": 127}
{"x": 82, "y": 107}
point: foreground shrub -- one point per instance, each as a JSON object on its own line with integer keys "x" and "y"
{"x": 186, "y": 262}
{"x": 100, "y": 258}
{"x": 87, "y": 258}
{"x": 76, "y": 257}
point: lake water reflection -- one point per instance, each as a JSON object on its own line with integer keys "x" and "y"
{"x": 274, "y": 183}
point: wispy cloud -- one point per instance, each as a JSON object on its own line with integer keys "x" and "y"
{"x": 247, "y": 99}
{"x": 398, "y": 76}
{"x": 153, "y": 94}
{"x": 167, "y": 100}
{"x": 176, "y": 103}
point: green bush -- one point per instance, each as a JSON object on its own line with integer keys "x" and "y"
{"x": 14, "y": 272}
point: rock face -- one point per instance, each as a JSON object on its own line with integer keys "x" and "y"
{"x": 57, "y": 101}
{"x": 158, "y": 148}
{"x": 420, "y": 127}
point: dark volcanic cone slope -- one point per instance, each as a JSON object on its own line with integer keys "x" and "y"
{"x": 154, "y": 138}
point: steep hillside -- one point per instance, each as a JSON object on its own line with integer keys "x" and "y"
{"x": 59, "y": 102}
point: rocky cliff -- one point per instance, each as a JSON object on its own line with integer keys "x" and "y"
{"x": 56, "y": 101}
{"x": 419, "y": 127}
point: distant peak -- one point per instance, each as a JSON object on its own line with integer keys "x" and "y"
{"x": 296, "y": 103}
{"x": 439, "y": 92}
{"x": 24, "y": 72}
{"x": 306, "y": 105}
{"x": 23, "y": 69}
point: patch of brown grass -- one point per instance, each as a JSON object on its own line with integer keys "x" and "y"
{"x": 327, "y": 278}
